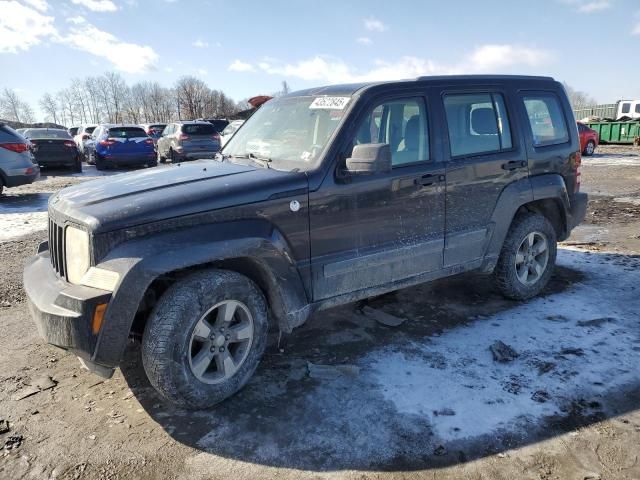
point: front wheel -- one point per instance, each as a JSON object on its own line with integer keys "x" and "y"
{"x": 205, "y": 337}
{"x": 527, "y": 258}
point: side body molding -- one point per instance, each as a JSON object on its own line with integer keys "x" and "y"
{"x": 139, "y": 262}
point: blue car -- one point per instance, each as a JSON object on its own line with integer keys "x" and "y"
{"x": 115, "y": 145}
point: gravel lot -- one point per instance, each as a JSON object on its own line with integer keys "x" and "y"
{"x": 424, "y": 399}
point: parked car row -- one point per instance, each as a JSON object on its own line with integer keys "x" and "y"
{"x": 147, "y": 144}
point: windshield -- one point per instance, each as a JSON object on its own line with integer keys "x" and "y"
{"x": 292, "y": 130}
{"x": 127, "y": 132}
{"x": 42, "y": 133}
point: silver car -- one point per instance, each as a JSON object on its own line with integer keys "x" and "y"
{"x": 82, "y": 136}
{"x": 181, "y": 141}
{"x": 17, "y": 164}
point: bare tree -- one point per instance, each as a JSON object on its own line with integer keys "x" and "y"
{"x": 192, "y": 95}
{"x": 49, "y": 106}
{"x": 108, "y": 98}
{"x": 67, "y": 106}
{"x": 13, "y": 108}
{"x": 117, "y": 91}
{"x": 91, "y": 87}
{"x": 577, "y": 98}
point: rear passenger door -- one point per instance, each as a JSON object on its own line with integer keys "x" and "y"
{"x": 484, "y": 156}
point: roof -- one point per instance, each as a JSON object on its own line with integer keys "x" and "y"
{"x": 352, "y": 88}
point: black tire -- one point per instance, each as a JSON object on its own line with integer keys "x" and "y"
{"x": 99, "y": 162}
{"x": 172, "y": 156}
{"x": 160, "y": 158}
{"x": 77, "y": 168}
{"x": 505, "y": 273}
{"x": 152, "y": 163}
{"x": 167, "y": 336}
{"x": 589, "y": 148}
{"x": 1, "y": 186}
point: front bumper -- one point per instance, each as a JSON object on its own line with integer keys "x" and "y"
{"x": 578, "y": 210}
{"x": 63, "y": 312}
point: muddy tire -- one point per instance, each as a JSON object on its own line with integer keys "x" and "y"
{"x": 205, "y": 337}
{"x": 527, "y": 258}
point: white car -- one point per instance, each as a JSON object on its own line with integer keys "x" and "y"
{"x": 82, "y": 137}
{"x": 229, "y": 130}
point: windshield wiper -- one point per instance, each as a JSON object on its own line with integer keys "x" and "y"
{"x": 264, "y": 161}
{"x": 252, "y": 157}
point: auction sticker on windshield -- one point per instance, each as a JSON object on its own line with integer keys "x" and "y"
{"x": 330, "y": 103}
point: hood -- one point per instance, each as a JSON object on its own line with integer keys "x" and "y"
{"x": 150, "y": 195}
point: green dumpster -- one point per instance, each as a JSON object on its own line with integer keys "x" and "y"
{"x": 616, "y": 132}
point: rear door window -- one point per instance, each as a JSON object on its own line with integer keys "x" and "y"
{"x": 626, "y": 108}
{"x": 127, "y": 132}
{"x": 478, "y": 124}
{"x": 199, "y": 129}
{"x": 546, "y": 118}
{"x": 637, "y": 107}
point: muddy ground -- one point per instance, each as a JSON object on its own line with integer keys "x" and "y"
{"x": 425, "y": 399}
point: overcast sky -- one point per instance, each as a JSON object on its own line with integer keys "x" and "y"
{"x": 247, "y": 47}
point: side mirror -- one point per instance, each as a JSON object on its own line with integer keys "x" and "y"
{"x": 369, "y": 159}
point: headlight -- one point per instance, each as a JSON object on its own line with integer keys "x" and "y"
{"x": 76, "y": 253}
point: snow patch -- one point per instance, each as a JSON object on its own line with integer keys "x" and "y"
{"x": 581, "y": 343}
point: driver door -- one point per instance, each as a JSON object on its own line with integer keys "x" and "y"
{"x": 370, "y": 231}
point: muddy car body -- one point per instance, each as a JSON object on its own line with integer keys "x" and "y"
{"x": 344, "y": 199}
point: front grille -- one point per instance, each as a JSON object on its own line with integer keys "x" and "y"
{"x": 56, "y": 247}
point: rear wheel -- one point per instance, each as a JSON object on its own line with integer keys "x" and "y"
{"x": 172, "y": 155}
{"x": 527, "y": 258}
{"x": 590, "y": 148}
{"x": 1, "y": 186}
{"x": 205, "y": 337}
{"x": 99, "y": 161}
{"x": 160, "y": 158}
{"x": 77, "y": 167}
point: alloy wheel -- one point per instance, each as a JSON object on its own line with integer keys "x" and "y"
{"x": 532, "y": 258}
{"x": 220, "y": 341}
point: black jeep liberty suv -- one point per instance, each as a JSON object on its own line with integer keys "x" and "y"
{"x": 323, "y": 196}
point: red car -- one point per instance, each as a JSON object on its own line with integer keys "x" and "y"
{"x": 589, "y": 139}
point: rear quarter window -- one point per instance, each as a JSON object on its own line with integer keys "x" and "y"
{"x": 548, "y": 125}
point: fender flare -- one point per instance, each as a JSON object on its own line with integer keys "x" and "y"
{"x": 141, "y": 261}
{"x": 514, "y": 196}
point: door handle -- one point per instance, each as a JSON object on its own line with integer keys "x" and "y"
{"x": 430, "y": 179}
{"x": 514, "y": 165}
